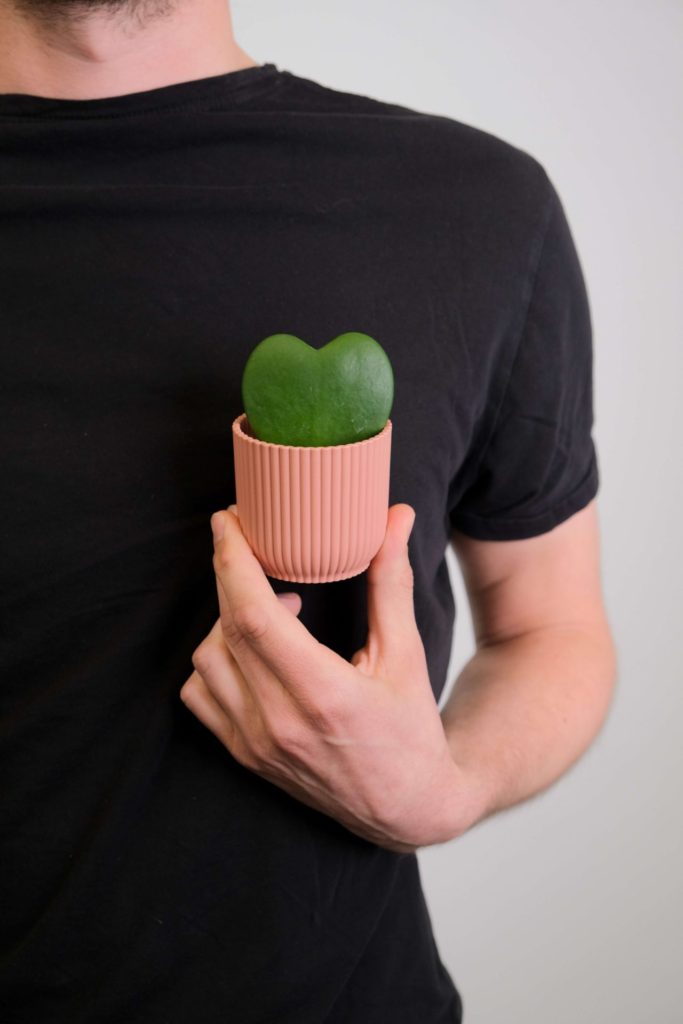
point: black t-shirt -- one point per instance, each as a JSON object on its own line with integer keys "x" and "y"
{"x": 149, "y": 242}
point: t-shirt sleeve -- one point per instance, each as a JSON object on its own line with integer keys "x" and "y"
{"x": 538, "y": 465}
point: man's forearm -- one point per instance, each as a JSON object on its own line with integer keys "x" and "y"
{"x": 523, "y": 710}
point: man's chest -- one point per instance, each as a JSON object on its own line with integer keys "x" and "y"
{"x": 129, "y": 322}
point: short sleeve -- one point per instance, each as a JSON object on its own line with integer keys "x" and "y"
{"x": 539, "y": 463}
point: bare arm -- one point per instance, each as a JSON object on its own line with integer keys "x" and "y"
{"x": 536, "y": 692}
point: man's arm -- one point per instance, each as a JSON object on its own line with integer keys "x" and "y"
{"x": 537, "y": 691}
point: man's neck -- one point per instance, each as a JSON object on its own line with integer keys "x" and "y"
{"x": 100, "y": 54}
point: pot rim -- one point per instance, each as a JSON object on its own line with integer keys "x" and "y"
{"x": 239, "y": 420}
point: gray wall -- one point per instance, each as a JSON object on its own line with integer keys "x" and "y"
{"x": 568, "y": 907}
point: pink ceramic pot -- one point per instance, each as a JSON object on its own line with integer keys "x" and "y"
{"x": 312, "y": 514}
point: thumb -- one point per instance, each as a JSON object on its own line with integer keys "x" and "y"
{"x": 391, "y": 612}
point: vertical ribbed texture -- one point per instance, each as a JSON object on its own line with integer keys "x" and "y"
{"x": 312, "y": 515}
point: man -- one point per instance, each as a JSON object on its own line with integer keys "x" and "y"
{"x": 215, "y": 782}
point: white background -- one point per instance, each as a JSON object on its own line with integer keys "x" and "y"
{"x": 567, "y": 908}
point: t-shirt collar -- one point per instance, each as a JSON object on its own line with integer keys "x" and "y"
{"x": 230, "y": 88}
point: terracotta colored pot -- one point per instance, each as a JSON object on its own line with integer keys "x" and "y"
{"x": 312, "y": 515}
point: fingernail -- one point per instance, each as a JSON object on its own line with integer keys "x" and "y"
{"x": 217, "y": 526}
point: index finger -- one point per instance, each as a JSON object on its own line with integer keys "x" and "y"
{"x": 258, "y": 629}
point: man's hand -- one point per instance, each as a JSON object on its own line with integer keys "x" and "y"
{"x": 361, "y": 741}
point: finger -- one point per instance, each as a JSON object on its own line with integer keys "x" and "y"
{"x": 218, "y": 675}
{"x": 391, "y": 610}
{"x": 292, "y": 601}
{"x": 257, "y": 628}
{"x": 215, "y": 665}
{"x": 197, "y": 697}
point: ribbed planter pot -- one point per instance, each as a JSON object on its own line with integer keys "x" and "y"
{"x": 312, "y": 515}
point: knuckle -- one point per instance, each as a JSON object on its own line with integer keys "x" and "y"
{"x": 201, "y": 659}
{"x": 290, "y": 737}
{"x": 244, "y": 753}
{"x": 239, "y": 746}
{"x": 255, "y": 754}
{"x": 250, "y": 621}
{"x": 223, "y": 559}
{"x": 327, "y": 712}
{"x": 231, "y": 634}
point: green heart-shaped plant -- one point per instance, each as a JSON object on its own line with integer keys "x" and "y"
{"x": 295, "y": 394}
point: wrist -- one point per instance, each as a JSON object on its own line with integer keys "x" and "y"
{"x": 472, "y": 799}
{"x": 462, "y": 800}
{"x": 473, "y": 792}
